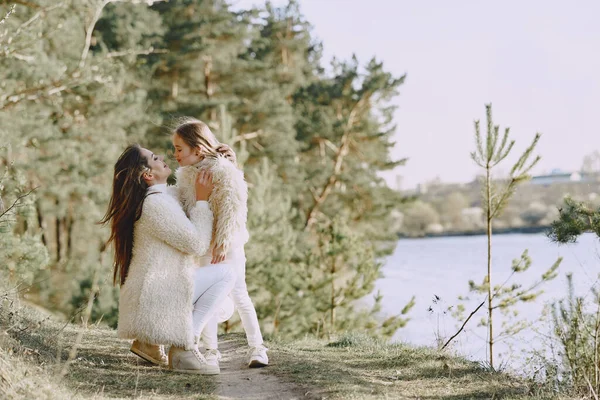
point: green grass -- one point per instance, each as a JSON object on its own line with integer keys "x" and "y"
{"x": 30, "y": 364}
{"x": 359, "y": 367}
{"x": 34, "y": 348}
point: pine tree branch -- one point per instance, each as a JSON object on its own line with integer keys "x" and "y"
{"x": 339, "y": 159}
{"x": 90, "y": 28}
{"x": 7, "y": 16}
{"x": 500, "y": 154}
{"x": 464, "y": 323}
{"x": 73, "y": 79}
{"x": 247, "y": 136}
{"x": 495, "y": 141}
{"x": 37, "y": 15}
{"x": 21, "y": 2}
{"x": 16, "y": 202}
{"x": 36, "y": 93}
{"x": 133, "y": 52}
{"x": 478, "y": 142}
{"x": 327, "y": 143}
{"x": 525, "y": 156}
{"x": 490, "y": 129}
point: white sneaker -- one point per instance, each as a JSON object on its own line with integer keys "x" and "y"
{"x": 190, "y": 362}
{"x": 212, "y": 356}
{"x": 258, "y": 357}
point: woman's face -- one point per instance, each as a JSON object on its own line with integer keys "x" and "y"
{"x": 185, "y": 154}
{"x": 159, "y": 170}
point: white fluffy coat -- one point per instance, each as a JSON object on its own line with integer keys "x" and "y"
{"x": 228, "y": 200}
{"x": 156, "y": 299}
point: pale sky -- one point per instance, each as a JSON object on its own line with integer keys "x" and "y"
{"x": 536, "y": 61}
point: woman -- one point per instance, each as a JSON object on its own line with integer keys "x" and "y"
{"x": 164, "y": 298}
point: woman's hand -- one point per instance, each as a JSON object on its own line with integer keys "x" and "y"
{"x": 204, "y": 185}
{"x": 227, "y": 152}
{"x": 218, "y": 256}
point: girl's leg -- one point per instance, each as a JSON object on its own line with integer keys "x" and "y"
{"x": 245, "y": 308}
{"x": 212, "y": 283}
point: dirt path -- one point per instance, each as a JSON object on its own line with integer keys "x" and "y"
{"x": 104, "y": 368}
{"x": 237, "y": 381}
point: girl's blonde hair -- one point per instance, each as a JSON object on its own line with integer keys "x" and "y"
{"x": 196, "y": 133}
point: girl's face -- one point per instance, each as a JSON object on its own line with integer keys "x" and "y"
{"x": 185, "y": 154}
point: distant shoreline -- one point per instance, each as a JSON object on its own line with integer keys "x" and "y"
{"x": 479, "y": 232}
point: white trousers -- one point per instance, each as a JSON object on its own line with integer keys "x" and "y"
{"x": 243, "y": 304}
{"x": 212, "y": 284}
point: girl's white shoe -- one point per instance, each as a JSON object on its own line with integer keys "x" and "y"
{"x": 212, "y": 356}
{"x": 258, "y": 357}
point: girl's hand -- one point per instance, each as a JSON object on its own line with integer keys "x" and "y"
{"x": 227, "y": 152}
{"x": 218, "y": 256}
{"x": 204, "y": 185}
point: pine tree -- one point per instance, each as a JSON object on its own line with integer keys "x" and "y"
{"x": 340, "y": 271}
{"x": 67, "y": 110}
{"x": 575, "y": 219}
{"x": 496, "y": 193}
{"x": 203, "y": 40}
{"x": 345, "y": 125}
{"x": 273, "y": 252}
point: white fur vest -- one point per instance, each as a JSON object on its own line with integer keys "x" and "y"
{"x": 228, "y": 200}
{"x": 156, "y": 299}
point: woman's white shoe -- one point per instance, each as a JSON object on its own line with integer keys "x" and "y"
{"x": 258, "y": 357}
{"x": 190, "y": 362}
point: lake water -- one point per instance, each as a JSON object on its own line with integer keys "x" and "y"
{"x": 443, "y": 266}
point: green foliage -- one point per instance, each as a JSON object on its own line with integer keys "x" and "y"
{"x": 504, "y": 297}
{"x": 507, "y": 296}
{"x": 577, "y": 331}
{"x": 418, "y": 218}
{"x": 493, "y": 153}
{"x": 576, "y": 319}
{"x": 86, "y": 78}
{"x": 341, "y": 270}
{"x": 22, "y": 253}
{"x": 66, "y": 112}
{"x": 575, "y": 218}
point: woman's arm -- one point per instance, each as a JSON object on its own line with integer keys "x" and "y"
{"x": 167, "y": 222}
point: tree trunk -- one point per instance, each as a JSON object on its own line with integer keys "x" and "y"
{"x": 489, "y": 263}
{"x": 41, "y": 223}
{"x": 57, "y": 234}
{"x": 69, "y": 230}
{"x": 276, "y": 319}
{"x": 175, "y": 85}
{"x": 333, "y": 271}
{"x": 209, "y": 86}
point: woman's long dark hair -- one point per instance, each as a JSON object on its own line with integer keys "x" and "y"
{"x": 125, "y": 206}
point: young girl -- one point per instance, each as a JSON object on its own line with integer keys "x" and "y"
{"x": 197, "y": 149}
